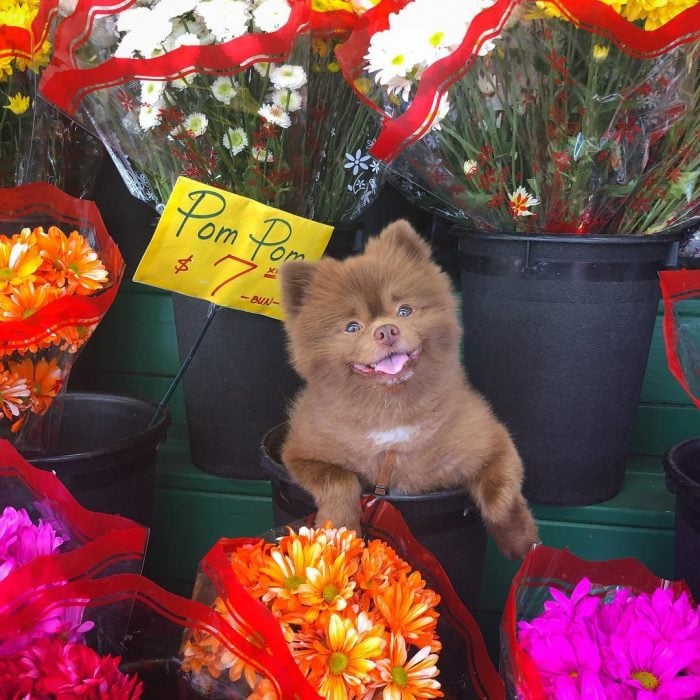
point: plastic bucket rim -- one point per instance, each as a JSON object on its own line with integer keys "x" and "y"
{"x": 689, "y": 487}
{"x": 276, "y": 472}
{"x": 625, "y": 239}
{"x": 118, "y": 445}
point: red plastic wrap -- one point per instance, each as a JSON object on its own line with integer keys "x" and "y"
{"x": 545, "y": 567}
{"x": 46, "y": 338}
{"x": 681, "y": 332}
{"x": 223, "y": 584}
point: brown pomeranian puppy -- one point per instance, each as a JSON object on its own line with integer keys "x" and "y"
{"x": 376, "y": 338}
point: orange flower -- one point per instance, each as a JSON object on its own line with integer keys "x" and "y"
{"x": 285, "y": 572}
{"x": 25, "y": 300}
{"x": 409, "y": 610}
{"x": 402, "y": 679}
{"x": 18, "y": 263}
{"x": 14, "y": 394}
{"x": 379, "y": 566}
{"x": 51, "y": 245}
{"x": 44, "y": 380}
{"x": 327, "y": 586}
{"x": 264, "y": 690}
{"x": 345, "y": 657}
{"x": 84, "y": 270}
{"x": 247, "y": 562}
{"x": 72, "y": 338}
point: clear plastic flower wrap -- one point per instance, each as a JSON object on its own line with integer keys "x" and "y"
{"x": 342, "y": 177}
{"x": 346, "y": 616}
{"x": 61, "y": 272}
{"x": 558, "y": 117}
{"x": 577, "y": 628}
{"x": 211, "y": 90}
{"x": 680, "y": 288}
{"x": 37, "y": 142}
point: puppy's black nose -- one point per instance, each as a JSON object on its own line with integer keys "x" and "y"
{"x": 387, "y": 334}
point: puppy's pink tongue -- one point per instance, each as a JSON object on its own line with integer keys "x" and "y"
{"x": 392, "y": 364}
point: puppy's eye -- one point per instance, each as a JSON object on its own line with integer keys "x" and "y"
{"x": 352, "y": 327}
{"x": 404, "y": 310}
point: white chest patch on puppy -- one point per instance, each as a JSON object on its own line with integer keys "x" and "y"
{"x": 395, "y": 436}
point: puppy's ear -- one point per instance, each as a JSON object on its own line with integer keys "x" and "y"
{"x": 401, "y": 235}
{"x": 295, "y": 277}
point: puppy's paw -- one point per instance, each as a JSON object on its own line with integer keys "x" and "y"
{"x": 347, "y": 517}
{"x": 517, "y": 534}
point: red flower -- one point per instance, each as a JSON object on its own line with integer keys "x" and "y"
{"x": 53, "y": 668}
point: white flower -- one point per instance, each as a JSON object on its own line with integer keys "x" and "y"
{"x": 290, "y": 100}
{"x": 182, "y": 83}
{"x": 262, "y": 154}
{"x": 235, "y": 140}
{"x": 149, "y": 116}
{"x": 225, "y": 19}
{"x": 275, "y": 115}
{"x": 288, "y": 76}
{"x": 442, "y": 111}
{"x": 357, "y": 162}
{"x": 133, "y": 18}
{"x": 223, "y": 89}
{"x": 196, "y": 123}
{"x": 174, "y": 8}
{"x": 151, "y": 91}
{"x": 271, "y": 15}
{"x": 469, "y": 168}
{"x": 185, "y": 39}
{"x": 390, "y": 55}
{"x": 145, "y": 38}
{"x": 262, "y": 68}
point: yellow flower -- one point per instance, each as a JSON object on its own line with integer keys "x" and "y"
{"x": 656, "y": 13}
{"x": 346, "y": 656}
{"x": 18, "y": 263}
{"x": 408, "y": 680}
{"x": 18, "y": 104}
{"x": 327, "y": 586}
{"x": 600, "y": 52}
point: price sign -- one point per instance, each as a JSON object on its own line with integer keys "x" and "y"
{"x": 227, "y": 249}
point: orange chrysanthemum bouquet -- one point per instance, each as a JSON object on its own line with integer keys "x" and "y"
{"x": 339, "y": 617}
{"x": 59, "y": 273}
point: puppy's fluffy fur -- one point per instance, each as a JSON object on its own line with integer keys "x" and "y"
{"x": 376, "y": 338}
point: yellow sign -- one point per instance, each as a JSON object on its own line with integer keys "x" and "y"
{"x": 225, "y": 248}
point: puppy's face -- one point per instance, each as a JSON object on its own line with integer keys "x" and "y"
{"x": 383, "y": 317}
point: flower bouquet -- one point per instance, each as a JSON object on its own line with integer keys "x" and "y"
{"x": 37, "y": 142}
{"x": 355, "y": 618}
{"x": 210, "y": 90}
{"x": 61, "y": 272}
{"x": 612, "y": 629}
{"x": 546, "y": 118}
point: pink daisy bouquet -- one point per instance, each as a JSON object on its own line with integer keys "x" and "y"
{"x": 560, "y": 117}
{"x": 60, "y": 273}
{"x": 45, "y": 536}
{"x": 575, "y": 629}
{"x": 340, "y": 616}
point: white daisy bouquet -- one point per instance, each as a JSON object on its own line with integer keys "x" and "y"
{"x": 545, "y": 117}
{"x": 211, "y": 89}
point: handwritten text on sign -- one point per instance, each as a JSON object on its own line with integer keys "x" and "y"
{"x": 225, "y": 248}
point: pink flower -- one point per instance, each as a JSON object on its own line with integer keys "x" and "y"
{"x": 21, "y": 540}
{"x": 53, "y": 668}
